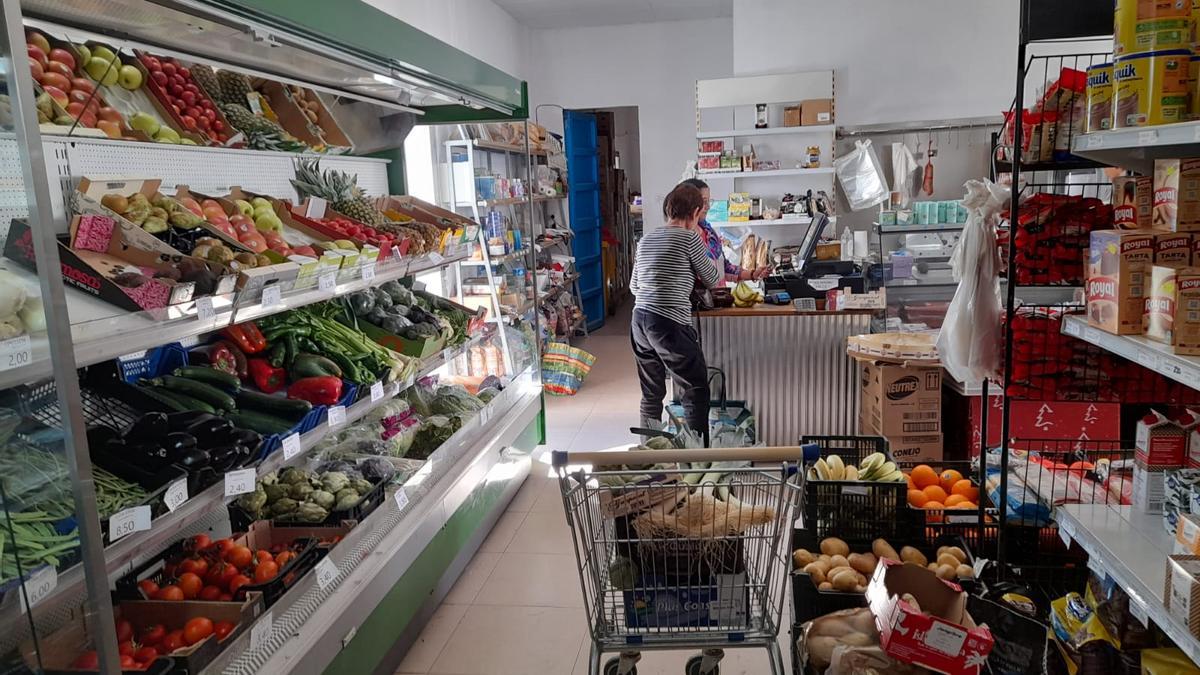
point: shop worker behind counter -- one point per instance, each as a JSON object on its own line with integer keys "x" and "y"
{"x": 713, "y": 241}
{"x": 670, "y": 259}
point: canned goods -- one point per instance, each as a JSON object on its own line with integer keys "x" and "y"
{"x": 1150, "y": 88}
{"x": 1151, "y": 25}
{"x": 1099, "y": 97}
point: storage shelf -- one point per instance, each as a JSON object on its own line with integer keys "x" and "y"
{"x": 1075, "y": 164}
{"x": 514, "y": 201}
{"x": 498, "y": 147}
{"x": 1147, "y": 353}
{"x": 495, "y": 259}
{"x": 1130, "y": 547}
{"x": 1137, "y": 148}
{"x": 760, "y": 222}
{"x": 919, "y": 229}
{"x": 777, "y": 173}
{"x": 769, "y": 131}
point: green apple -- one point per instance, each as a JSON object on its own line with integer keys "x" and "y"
{"x": 85, "y": 54}
{"x": 167, "y": 134}
{"x": 183, "y": 140}
{"x": 104, "y": 53}
{"x": 166, "y": 140}
{"x": 102, "y": 71}
{"x": 259, "y": 201}
{"x": 244, "y": 206}
{"x": 145, "y": 123}
{"x": 268, "y": 222}
{"x": 129, "y": 77}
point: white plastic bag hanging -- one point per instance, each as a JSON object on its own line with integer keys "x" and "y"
{"x": 969, "y": 342}
{"x": 861, "y": 177}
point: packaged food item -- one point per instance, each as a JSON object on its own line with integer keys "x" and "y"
{"x": 1194, "y": 87}
{"x": 1049, "y": 130}
{"x": 1176, "y": 205}
{"x": 1160, "y": 442}
{"x": 1182, "y": 592}
{"x": 1117, "y": 267}
{"x": 1141, "y": 25}
{"x": 1173, "y": 249}
{"x": 1151, "y": 88}
{"x": 1173, "y": 308}
{"x": 1099, "y": 97}
{"x": 1133, "y": 199}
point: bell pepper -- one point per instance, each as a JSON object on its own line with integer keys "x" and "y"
{"x": 246, "y": 336}
{"x": 267, "y": 378}
{"x": 216, "y": 355}
{"x": 239, "y": 358}
{"x": 321, "y": 390}
{"x": 312, "y": 365}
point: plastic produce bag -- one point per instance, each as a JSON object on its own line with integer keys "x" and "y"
{"x": 969, "y": 342}
{"x": 861, "y": 177}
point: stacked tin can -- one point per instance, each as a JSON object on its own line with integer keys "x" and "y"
{"x": 1153, "y": 77}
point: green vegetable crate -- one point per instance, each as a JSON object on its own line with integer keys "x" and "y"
{"x": 240, "y": 520}
{"x": 421, "y": 349}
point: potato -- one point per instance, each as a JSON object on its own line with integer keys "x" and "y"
{"x": 845, "y": 580}
{"x": 932, "y": 567}
{"x": 882, "y": 549}
{"x": 860, "y": 589}
{"x": 910, "y": 599}
{"x": 817, "y": 571}
{"x": 912, "y": 555}
{"x": 956, "y": 552}
{"x": 801, "y": 557}
{"x": 947, "y": 559}
{"x": 946, "y": 572}
{"x": 825, "y": 558}
{"x": 825, "y": 586}
{"x": 863, "y": 562}
{"x": 820, "y": 650}
{"x": 964, "y": 572}
{"x": 835, "y": 546}
{"x": 839, "y": 561}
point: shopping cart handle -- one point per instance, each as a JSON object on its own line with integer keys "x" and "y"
{"x": 791, "y": 453}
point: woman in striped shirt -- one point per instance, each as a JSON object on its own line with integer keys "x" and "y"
{"x": 669, "y": 261}
{"x": 713, "y": 241}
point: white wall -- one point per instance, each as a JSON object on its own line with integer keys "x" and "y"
{"x": 652, "y": 66}
{"x": 477, "y": 27}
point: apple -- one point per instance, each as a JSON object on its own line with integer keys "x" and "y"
{"x": 188, "y": 122}
{"x": 83, "y": 97}
{"x": 35, "y": 38}
{"x": 59, "y": 96}
{"x": 203, "y": 124}
{"x": 110, "y": 128}
{"x": 176, "y": 90}
{"x": 101, "y": 70}
{"x": 84, "y": 53}
{"x": 244, "y": 206}
{"x": 35, "y": 67}
{"x": 60, "y": 68}
{"x": 214, "y": 212}
{"x": 188, "y": 97}
{"x": 62, "y": 56}
{"x": 168, "y": 134}
{"x": 159, "y": 78}
{"x": 75, "y": 109}
{"x": 82, "y": 84}
{"x": 152, "y": 64}
{"x": 35, "y": 52}
{"x": 88, "y": 119}
{"x": 226, "y": 228}
{"x": 218, "y": 126}
{"x": 168, "y": 68}
{"x": 129, "y": 77}
{"x": 102, "y": 52}
{"x": 109, "y": 114}
{"x": 145, "y": 123}
{"x": 56, "y": 80}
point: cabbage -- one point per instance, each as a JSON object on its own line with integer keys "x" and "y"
{"x": 12, "y": 294}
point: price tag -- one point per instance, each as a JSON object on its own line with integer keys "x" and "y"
{"x": 125, "y": 523}
{"x": 1071, "y": 328}
{"x": 239, "y": 482}
{"x": 1190, "y": 377}
{"x": 368, "y": 273}
{"x": 336, "y": 415}
{"x": 39, "y": 585}
{"x": 326, "y": 572}
{"x": 1148, "y": 137}
{"x": 396, "y": 253}
{"x": 327, "y": 282}
{"x": 272, "y": 295}
{"x": 1138, "y": 609}
{"x": 291, "y": 446}
{"x": 315, "y": 208}
{"x": 1092, "y": 335}
{"x": 945, "y": 638}
{"x": 255, "y": 104}
{"x": 1147, "y": 359}
{"x": 376, "y": 391}
{"x": 401, "y": 499}
{"x": 1095, "y": 141}
{"x": 15, "y": 353}
{"x": 435, "y": 258}
{"x": 260, "y": 632}
{"x": 204, "y": 309}
{"x": 176, "y": 495}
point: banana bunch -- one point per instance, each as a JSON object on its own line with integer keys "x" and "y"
{"x": 874, "y": 467}
{"x": 744, "y": 295}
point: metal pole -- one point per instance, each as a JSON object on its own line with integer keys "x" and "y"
{"x": 97, "y": 606}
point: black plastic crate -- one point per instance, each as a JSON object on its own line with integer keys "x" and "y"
{"x": 241, "y": 520}
{"x": 856, "y": 511}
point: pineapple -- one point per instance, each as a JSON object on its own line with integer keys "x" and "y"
{"x": 247, "y": 122}
{"x": 338, "y": 188}
{"x": 206, "y": 79}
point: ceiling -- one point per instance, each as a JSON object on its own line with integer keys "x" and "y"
{"x": 579, "y": 13}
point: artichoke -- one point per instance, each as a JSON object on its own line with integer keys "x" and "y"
{"x": 269, "y": 479}
{"x": 275, "y": 492}
{"x": 310, "y": 513}
{"x": 300, "y": 491}
{"x": 293, "y": 475}
{"x": 322, "y": 498}
{"x": 361, "y": 486}
{"x": 334, "y": 481}
{"x": 347, "y": 493}
{"x": 347, "y": 503}
{"x": 284, "y": 506}
{"x": 253, "y": 502}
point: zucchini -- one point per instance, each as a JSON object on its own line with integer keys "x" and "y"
{"x": 278, "y": 406}
{"x": 205, "y": 392}
{"x": 260, "y": 422}
{"x": 189, "y": 403}
{"x": 164, "y": 399}
{"x": 212, "y": 376}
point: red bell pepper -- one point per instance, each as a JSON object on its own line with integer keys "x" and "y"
{"x": 322, "y": 390}
{"x": 246, "y": 336}
{"x": 239, "y": 359}
{"x": 216, "y": 355}
{"x": 267, "y": 378}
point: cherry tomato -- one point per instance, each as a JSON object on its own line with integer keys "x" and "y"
{"x": 237, "y": 582}
{"x": 223, "y": 628}
{"x": 148, "y": 587}
{"x": 171, "y": 592}
{"x": 284, "y": 558}
{"x": 173, "y": 641}
{"x": 239, "y": 556}
{"x": 201, "y": 542}
{"x": 90, "y": 660}
{"x": 190, "y": 585}
{"x": 210, "y": 592}
{"x": 128, "y": 662}
{"x": 262, "y": 555}
{"x": 126, "y": 647}
{"x": 197, "y": 629}
{"x": 266, "y": 571}
{"x": 146, "y": 654}
{"x": 124, "y": 630}
{"x": 153, "y": 634}
{"x": 224, "y": 545}
{"x": 225, "y": 597}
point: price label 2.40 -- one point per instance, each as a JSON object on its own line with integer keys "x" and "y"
{"x": 239, "y": 482}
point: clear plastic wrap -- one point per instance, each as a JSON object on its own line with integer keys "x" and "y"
{"x": 861, "y": 177}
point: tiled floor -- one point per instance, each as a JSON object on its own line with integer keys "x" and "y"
{"x": 516, "y": 610}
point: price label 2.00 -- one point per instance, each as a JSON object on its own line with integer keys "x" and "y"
{"x": 15, "y": 353}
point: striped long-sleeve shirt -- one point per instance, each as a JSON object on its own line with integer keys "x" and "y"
{"x": 669, "y": 261}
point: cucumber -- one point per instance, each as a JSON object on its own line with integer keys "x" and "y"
{"x": 205, "y": 392}
{"x": 189, "y": 404}
{"x": 260, "y": 422}
{"x": 212, "y": 376}
{"x": 164, "y": 399}
{"x": 278, "y": 406}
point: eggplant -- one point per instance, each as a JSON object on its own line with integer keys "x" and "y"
{"x": 178, "y": 443}
{"x": 149, "y": 427}
{"x": 180, "y": 421}
{"x": 225, "y": 457}
{"x": 248, "y": 439}
{"x": 194, "y": 459}
{"x": 207, "y": 431}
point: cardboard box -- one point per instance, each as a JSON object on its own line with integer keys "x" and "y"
{"x": 1187, "y": 534}
{"x": 1118, "y": 261}
{"x": 1172, "y": 308}
{"x": 1193, "y": 455}
{"x": 1181, "y": 593}
{"x": 1149, "y": 489}
{"x": 791, "y": 116}
{"x": 901, "y": 399}
{"x": 940, "y": 635}
{"x": 1176, "y": 195}
{"x": 739, "y": 206}
{"x": 1173, "y": 249}
{"x": 1195, "y": 251}
{"x": 1133, "y": 199}
{"x": 1159, "y": 442}
{"x": 816, "y": 111}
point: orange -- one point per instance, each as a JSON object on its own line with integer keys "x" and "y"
{"x": 917, "y": 498}
{"x": 908, "y": 479}
{"x": 935, "y": 493}
{"x": 966, "y": 489}
{"x": 963, "y": 505}
{"x": 923, "y": 476}
{"x": 948, "y": 478}
{"x": 955, "y": 500}
{"x": 936, "y": 516}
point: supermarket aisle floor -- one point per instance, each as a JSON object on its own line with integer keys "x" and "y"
{"x": 517, "y": 609}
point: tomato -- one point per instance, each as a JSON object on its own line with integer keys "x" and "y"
{"x": 90, "y": 660}
{"x": 266, "y": 571}
{"x": 284, "y": 558}
{"x": 148, "y": 587}
{"x": 223, "y": 629}
{"x": 224, "y": 545}
{"x": 153, "y": 634}
{"x": 173, "y": 641}
{"x": 197, "y": 629}
{"x": 262, "y": 555}
{"x": 225, "y": 597}
{"x": 124, "y": 630}
{"x": 128, "y": 662}
{"x": 201, "y": 542}
{"x": 171, "y": 592}
{"x": 190, "y": 585}
{"x": 210, "y": 592}
{"x": 146, "y": 654}
{"x": 200, "y": 568}
{"x": 239, "y": 556}
{"x": 126, "y": 647}
{"x": 237, "y": 582}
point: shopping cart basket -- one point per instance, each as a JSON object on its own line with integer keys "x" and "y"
{"x": 673, "y": 556}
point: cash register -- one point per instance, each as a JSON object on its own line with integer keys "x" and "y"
{"x": 799, "y": 276}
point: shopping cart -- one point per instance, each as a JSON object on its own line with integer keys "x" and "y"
{"x": 681, "y": 549}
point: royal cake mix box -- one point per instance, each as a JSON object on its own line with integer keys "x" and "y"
{"x": 1176, "y": 195}
{"x": 1118, "y": 261}
{"x": 1173, "y": 249}
{"x": 1171, "y": 313}
{"x": 1133, "y": 197}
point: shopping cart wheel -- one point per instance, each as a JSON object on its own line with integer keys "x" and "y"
{"x": 613, "y": 667}
{"x": 696, "y": 663}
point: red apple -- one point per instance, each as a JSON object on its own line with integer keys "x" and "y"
{"x": 227, "y": 229}
{"x": 59, "y": 96}
{"x": 188, "y": 97}
{"x": 60, "y": 68}
{"x": 218, "y": 126}
{"x": 176, "y": 90}
{"x": 75, "y": 109}
{"x": 211, "y": 203}
{"x": 110, "y": 128}
{"x": 35, "y": 67}
{"x": 152, "y": 64}
{"x": 177, "y": 81}
{"x": 56, "y": 80}
{"x": 35, "y": 52}
{"x": 62, "y": 56}
{"x": 191, "y": 86}
{"x": 35, "y": 38}
{"x": 188, "y": 122}
{"x": 109, "y": 114}
{"x": 88, "y": 119}
{"x": 184, "y": 73}
{"x": 159, "y": 78}
{"x": 203, "y": 123}
{"x": 82, "y": 96}
{"x": 168, "y": 68}
{"x": 82, "y": 84}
